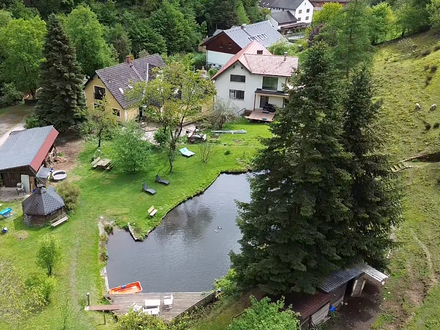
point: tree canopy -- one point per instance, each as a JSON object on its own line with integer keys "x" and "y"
{"x": 61, "y": 96}
{"x": 21, "y": 46}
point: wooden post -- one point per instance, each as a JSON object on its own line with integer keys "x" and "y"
{"x": 103, "y": 312}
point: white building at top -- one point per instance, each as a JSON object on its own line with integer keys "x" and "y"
{"x": 302, "y": 10}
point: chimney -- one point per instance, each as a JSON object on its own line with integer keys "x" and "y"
{"x": 128, "y": 59}
{"x": 285, "y": 56}
{"x": 40, "y": 189}
{"x": 243, "y": 26}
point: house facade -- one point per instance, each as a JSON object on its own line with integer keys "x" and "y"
{"x": 318, "y": 4}
{"x": 254, "y": 77}
{"x": 115, "y": 82}
{"x": 224, "y": 44}
{"x": 24, "y": 153}
{"x": 302, "y": 10}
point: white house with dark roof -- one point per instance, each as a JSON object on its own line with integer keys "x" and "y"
{"x": 254, "y": 78}
{"x": 224, "y": 44}
{"x": 302, "y": 10}
{"x": 115, "y": 81}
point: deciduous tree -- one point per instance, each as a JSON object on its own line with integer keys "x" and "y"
{"x": 48, "y": 253}
{"x": 21, "y": 46}
{"x": 294, "y": 227}
{"x": 61, "y": 98}
{"x": 101, "y": 121}
{"x": 86, "y": 34}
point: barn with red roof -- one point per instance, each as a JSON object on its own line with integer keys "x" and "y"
{"x": 24, "y": 153}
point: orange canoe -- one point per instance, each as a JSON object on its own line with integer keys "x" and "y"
{"x": 127, "y": 288}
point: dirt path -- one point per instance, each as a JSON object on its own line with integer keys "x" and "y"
{"x": 428, "y": 258}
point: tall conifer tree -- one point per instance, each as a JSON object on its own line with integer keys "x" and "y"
{"x": 375, "y": 193}
{"x": 294, "y": 229}
{"x": 61, "y": 98}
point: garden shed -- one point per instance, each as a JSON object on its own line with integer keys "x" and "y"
{"x": 43, "y": 206}
{"x": 23, "y": 153}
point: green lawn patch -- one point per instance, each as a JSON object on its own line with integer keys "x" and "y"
{"x": 116, "y": 196}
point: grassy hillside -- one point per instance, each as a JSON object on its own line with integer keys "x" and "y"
{"x": 406, "y": 73}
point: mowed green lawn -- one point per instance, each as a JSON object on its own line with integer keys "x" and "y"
{"x": 116, "y": 196}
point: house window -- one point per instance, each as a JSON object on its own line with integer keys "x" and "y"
{"x": 308, "y": 10}
{"x": 299, "y": 19}
{"x": 220, "y": 45}
{"x": 300, "y": 11}
{"x": 270, "y": 83}
{"x": 238, "y": 78}
{"x": 230, "y": 46}
{"x": 99, "y": 92}
{"x": 236, "y": 94}
{"x": 117, "y": 112}
{"x": 307, "y": 18}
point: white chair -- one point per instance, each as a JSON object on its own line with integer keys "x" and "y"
{"x": 136, "y": 308}
{"x": 168, "y": 301}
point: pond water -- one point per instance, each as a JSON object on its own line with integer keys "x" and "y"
{"x": 187, "y": 251}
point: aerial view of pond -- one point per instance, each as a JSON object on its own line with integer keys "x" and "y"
{"x": 189, "y": 249}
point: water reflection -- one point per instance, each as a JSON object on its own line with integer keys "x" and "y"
{"x": 188, "y": 250}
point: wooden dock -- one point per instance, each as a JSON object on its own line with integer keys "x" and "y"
{"x": 182, "y": 302}
{"x": 259, "y": 115}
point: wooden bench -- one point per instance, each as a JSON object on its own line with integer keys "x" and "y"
{"x": 60, "y": 221}
{"x": 152, "y": 211}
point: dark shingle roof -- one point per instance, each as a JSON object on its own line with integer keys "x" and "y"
{"x": 21, "y": 147}
{"x": 338, "y": 278}
{"x": 284, "y": 4}
{"x": 263, "y": 32}
{"x": 119, "y": 77}
{"x": 43, "y": 202}
{"x": 284, "y": 17}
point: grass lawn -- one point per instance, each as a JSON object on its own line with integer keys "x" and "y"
{"x": 116, "y": 196}
{"x": 404, "y": 78}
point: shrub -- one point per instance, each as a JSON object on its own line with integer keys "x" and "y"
{"x": 205, "y": 150}
{"x": 133, "y": 320}
{"x": 10, "y": 95}
{"x": 227, "y": 284}
{"x": 32, "y": 121}
{"x": 70, "y": 194}
{"x": 42, "y": 286}
{"x": 427, "y": 126}
{"x": 108, "y": 229}
{"x": 212, "y": 72}
{"x": 227, "y": 152}
{"x": 436, "y": 47}
{"x": 198, "y": 60}
{"x": 103, "y": 256}
{"x": 433, "y": 68}
{"x": 436, "y": 125}
{"x": 425, "y": 53}
{"x": 48, "y": 253}
{"x": 161, "y": 138}
{"x": 221, "y": 113}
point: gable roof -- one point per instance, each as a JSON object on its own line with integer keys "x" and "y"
{"x": 28, "y": 147}
{"x": 120, "y": 77}
{"x": 283, "y": 4}
{"x": 263, "y": 32}
{"x": 262, "y": 64}
{"x": 42, "y": 202}
{"x": 284, "y": 17}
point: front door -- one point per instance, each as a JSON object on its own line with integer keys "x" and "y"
{"x": 263, "y": 101}
{"x": 25, "y": 182}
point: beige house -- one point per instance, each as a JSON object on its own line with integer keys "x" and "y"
{"x": 114, "y": 82}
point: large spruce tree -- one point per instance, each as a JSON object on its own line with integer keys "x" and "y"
{"x": 375, "y": 193}
{"x": 61, "y": 98}
{"x": 295, "y": 227}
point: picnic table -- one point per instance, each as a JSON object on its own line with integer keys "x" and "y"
{"x": 103, "y": 163}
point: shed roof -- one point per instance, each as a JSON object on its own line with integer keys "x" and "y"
{"x": 119, "y": 78}
{"x": 339, "y": 278}
{"x": 27, "y": 147}
{"x": 371, "y": 272}
{"x": 307, "y": 305}
{"x": 263, "y": 32}
{"x": 284, "y": 4}
{"x": 262, "y": 64}
{"x": 284, "y": 17}
{"x": 43, "y": 202}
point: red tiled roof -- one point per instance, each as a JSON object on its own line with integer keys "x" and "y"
{"x": 44, "y": 149}
{"x": 262, "y": 64}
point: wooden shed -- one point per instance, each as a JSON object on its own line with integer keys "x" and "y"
{"x": 23, "y": 153}
{"x": 43, "y": 206}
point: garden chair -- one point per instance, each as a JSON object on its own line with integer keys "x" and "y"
{"x": 148, "y": 190}
{"x": 160, "y": 180}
